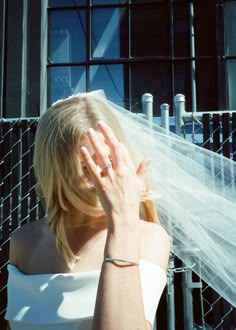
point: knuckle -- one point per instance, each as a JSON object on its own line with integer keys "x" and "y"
{"x": 115, "y": 144}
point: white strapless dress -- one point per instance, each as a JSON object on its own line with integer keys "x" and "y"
{"x": 67, "y": 301}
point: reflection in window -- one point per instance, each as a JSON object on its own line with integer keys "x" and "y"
{"x": 67, "y": 39}
{"x": 149, "y": 30}
{"x": 109, "y": 33}
{"x": 110, "y": 78}
{"x": 65, "y": 81}
{"x": 230, "y": 28}
{"x": 231, "y": 70}
{"x": 154, "y": 78}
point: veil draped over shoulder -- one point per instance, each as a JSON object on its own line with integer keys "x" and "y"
{"x": 195, "y": 196}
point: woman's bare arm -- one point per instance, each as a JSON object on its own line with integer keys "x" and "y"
{"x": 119, "y": 302}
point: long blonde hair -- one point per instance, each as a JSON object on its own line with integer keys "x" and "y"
{"x": 61, "y": 184}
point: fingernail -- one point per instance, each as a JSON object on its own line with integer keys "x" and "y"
{"x": 91, "y": 131}
{"x": 82, "y": 150}
{"x": 101, "y": 123}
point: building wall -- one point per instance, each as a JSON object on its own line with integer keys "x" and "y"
{"x": 22, "y": 57}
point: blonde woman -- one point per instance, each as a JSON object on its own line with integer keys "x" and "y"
{"x": 92, "y": 263}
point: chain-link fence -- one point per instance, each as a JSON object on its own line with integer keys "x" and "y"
{"x": 190, "y": 303}
{"x": 215, "y": 131}
{"x": 18, "y": 202}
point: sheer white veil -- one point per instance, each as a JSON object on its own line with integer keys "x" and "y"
{"x": 196, "y": 201}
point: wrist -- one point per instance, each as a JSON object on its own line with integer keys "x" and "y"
{"x": 123, "y": 242}
{"x": 122, "y": 223}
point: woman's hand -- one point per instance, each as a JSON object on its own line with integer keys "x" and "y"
{"x": 118, "y": 186}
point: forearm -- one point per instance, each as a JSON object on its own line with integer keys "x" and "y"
{"x": 119, "y": 303}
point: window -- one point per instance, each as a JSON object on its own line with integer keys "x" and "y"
{"x": 132, "y": 47}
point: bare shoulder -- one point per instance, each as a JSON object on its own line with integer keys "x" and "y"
{"x": 28, "y": 231}
{"x": 25, "y": 238}
{"x": 155, "y": 244}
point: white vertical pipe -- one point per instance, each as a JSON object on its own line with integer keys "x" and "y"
{"x": 170, "y": 292}
{"x": 165, "y": 115}
{"x": 179, "y": 110}
{"x": 147, "y": 106}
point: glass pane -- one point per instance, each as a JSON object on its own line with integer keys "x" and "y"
{"x": 154, "y": 78}
{"x": 67, "y": 39}
{"x": 109, "y": 33}
{"x": 110, "y": 78}
{"x": 65, "y": 81}
{"x": 108, "y": 2}
{"x": 65, "y": 3}
{"x": 182, "y": 82}
{"x": 181, "y": 30}
{"x": 206, "y": 85}
{"x": 149, "y": 30}
{"x": 205, "y": 27}
{"x": 230, "y": 28}
{"x": 231, "y": 70}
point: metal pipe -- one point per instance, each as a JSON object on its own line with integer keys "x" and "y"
{"x": 170, "y": 295}
{"x": 187, "y": 299}
{"x": 18, "y": 120}
{"x": 147, "y": 106}
{"x": 179, "y": 110}
{"x": 197, "y": 116}
{"x": 165, "y": 115}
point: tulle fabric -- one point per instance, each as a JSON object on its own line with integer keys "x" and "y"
{"x": 195, "y": 196}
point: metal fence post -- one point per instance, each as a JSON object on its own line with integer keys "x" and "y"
{"x": 147, "y": 106}
{"x": 187, "y": 299}
{"x": 179, "y": 110}
{"x": 165, "y": 108}
{"x": 170, "y": 294}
